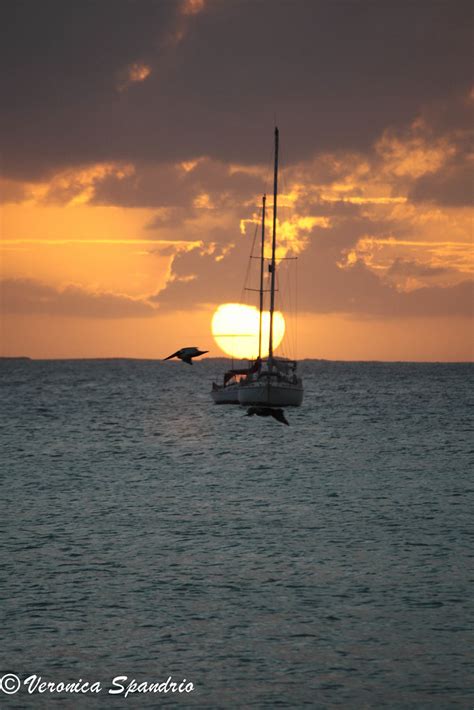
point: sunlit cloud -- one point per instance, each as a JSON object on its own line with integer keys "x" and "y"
{"x": 413, "y": 156}
{"x": 203, "y": 202}
{"x": 188, "y": 165}
{"x": 138, "y": 72}
{"x": 76, "y": 186}
{"x": 186, "y": 11}
{"x": 444, "y": 263}
{"x": 192, "y": 7}
{"x": 356, "y": 200}
{"x": 135, "y": 73}
{"x": 350, "y": 214}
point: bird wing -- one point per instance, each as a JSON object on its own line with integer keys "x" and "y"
{"x": 170, "y": 356}
{"x": 187, "y": 359}
{"x": 279, "y": 415}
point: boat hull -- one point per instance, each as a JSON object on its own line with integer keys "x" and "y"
{"x": 271, "y": 394}
{"x": 225, "y": 395}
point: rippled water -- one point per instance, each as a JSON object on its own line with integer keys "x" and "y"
{"x": 148, "y": 532}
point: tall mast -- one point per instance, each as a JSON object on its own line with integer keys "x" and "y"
{"x": 262, "y": 259}
{"x": 272, "y": 265}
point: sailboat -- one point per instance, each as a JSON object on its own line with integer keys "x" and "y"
{"x": 274, "y": 381}
{"x": 270, "y": 381}
{"x": 228, "y": 391}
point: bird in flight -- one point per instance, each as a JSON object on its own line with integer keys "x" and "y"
{"x": 275, "y": 412}
{"x": 187, "y": 354}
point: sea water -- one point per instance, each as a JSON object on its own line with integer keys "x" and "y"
{"x": 150, "y": 534}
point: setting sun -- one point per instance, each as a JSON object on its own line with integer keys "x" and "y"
{"x": 235, "y": 329}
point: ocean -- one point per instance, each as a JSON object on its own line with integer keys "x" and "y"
{"x": 150, "y": 534}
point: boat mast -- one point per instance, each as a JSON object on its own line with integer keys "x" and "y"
{"x": 272, "y": 265}
{"x": 262, "y": 259}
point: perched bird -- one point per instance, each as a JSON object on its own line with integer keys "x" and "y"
{"x": 274, "y": 412}
{"x": 187, "y": 354}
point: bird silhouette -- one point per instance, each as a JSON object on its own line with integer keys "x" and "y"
{"x": 187, "y": 354}
{"x": 275, "y": 412}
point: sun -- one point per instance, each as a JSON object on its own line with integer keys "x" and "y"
{"x": 235, "y": 330}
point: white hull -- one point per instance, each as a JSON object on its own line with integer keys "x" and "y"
{"x": 271, "y": 394}
{"x": 226, "y": 395}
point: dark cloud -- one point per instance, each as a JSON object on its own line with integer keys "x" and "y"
{"x": 173, "y": 218}
{"x": 407, "y": 267}
{"x": 323, "y": 287}
{"x": 327, "y": 288}
{"x": 12, "y": 191}
{"x": 199, "y": 277}
{"x": 409, "y": 275}
{"x": 335, "y": 73}
{"x": 452, "y": 186}
{"x": 167, "y": 185}
{"x": 27, "y": 296}
{"x": 435, "y": 301}
{"x": 61, "y": 62}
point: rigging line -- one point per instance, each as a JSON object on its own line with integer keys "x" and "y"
{"x": 293, "y": 294}
{"x": 249, "y": 261}
{"x": 283, "y": 307}
{"x": 293, "y": 303}
{"x": 293, "y": 289}
{"x": 291, "y": 307}
{"x": 285, "y": 275}
{"x": 290, "y": 311}
{"x": 293, "y": 280}
{"x": 296, "y": 309}
{"x": 288, "y": 291}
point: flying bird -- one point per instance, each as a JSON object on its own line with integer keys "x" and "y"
{"x": 187, "y": 354}
{"x": 274, "y": 412}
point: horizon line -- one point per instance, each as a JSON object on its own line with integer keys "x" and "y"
{"x": 223, "y": 357}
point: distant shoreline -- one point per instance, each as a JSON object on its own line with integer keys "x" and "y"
{"x": 24, "y": 358}
{"x": 14, "y": 357}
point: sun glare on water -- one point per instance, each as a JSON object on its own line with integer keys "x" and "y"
{"x": 235, "y": 330}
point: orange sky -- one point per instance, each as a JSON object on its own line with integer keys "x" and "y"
{"x": 72, "y": 245}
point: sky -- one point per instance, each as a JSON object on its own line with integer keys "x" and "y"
{"x": 136, "y": 144}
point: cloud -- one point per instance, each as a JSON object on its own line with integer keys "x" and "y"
{"x": 203, "y": 276}
{"x": 371, "y": 206}
{"x": 389, "y": 257}
{"x": 323, "y": 286}
{"x": 28, "y": 296}
{"x": 326, "y": 288}
{"x": 13, "y": 191}
{"x": 173, "y": 185}
{"x": 409, "y": 275}
{"x": 217, "y": 76}
{"x": 450, "y": 187}
{"x": 133, "y": 74}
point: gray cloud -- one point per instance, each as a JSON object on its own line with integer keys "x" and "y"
{"x": 452, "y": 186}
{"x": 27, "y": 296}
{"x": 406, "y": 267}
{"x": 335, "y": 73}
{"x": 323, "y": 286}
{"x": 201, "y": 278}
{"x": 326, "y": 288}
{"x": 167, "y": 185}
